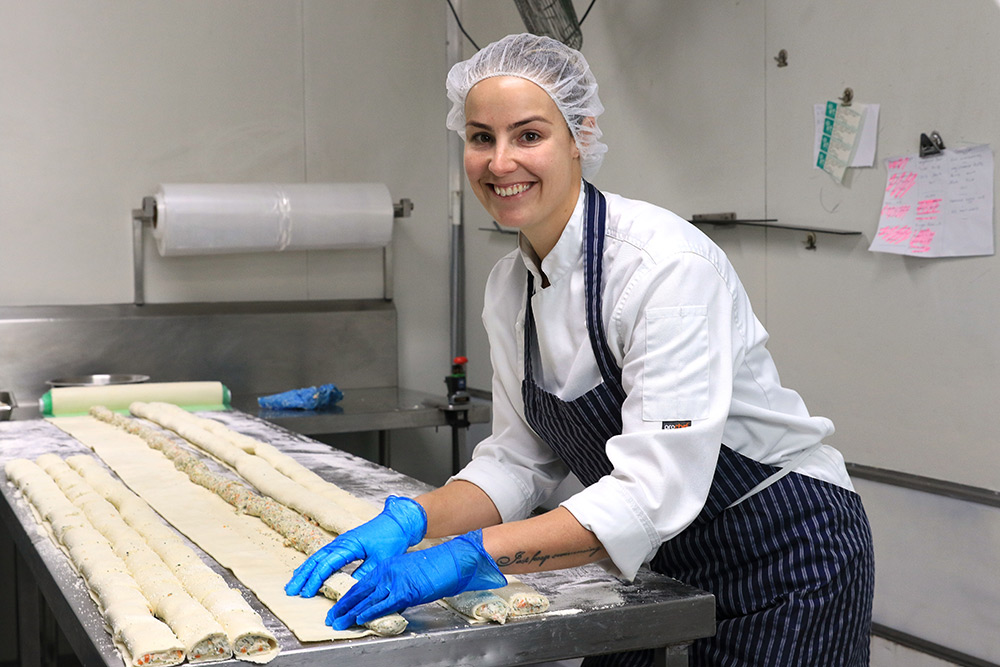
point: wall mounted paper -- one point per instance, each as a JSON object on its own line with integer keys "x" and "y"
{"x": 839, "y": 142}
{"x": 938, "y": 206}
{"x": 864, "y": 155}
{"x": 206, "y": 219}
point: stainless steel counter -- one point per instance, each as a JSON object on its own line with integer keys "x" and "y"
{"x": 365, "y": 409}
{"x": 380, "y": 409}
{"x": 375, "y": 409}
{"x": 591, "y": 611}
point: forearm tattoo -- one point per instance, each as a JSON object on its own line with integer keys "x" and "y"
{"x": 539, "y": 558}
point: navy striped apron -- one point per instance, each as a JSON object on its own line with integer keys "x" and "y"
{"x": 791, "y": 567}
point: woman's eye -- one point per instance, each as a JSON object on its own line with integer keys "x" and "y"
{"x": 531, "y": 136}
{"x": 480, "y": 138}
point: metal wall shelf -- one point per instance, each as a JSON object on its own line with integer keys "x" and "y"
{"x": 730, "y": 220}
{"x": 940, "y": 487}
{"x": 769, "y": 222}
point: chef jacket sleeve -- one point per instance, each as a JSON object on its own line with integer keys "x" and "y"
{"x": 676, "y": 332}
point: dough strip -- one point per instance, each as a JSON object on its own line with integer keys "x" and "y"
{"x": 200, "y": 633}
{"x": 295, "y": 481}
{"x": 299, "y": 532}
{"x": 142, "y": 638}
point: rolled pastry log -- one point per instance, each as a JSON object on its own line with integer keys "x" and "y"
{"x": 341, "y": 582}
{"x": 286, "y": 465}
{"x": 200, "y": 633}
{"x": 520, "y": 598}
{"x": 523, "y": 599}
{"x": 142, "y": 639}
{"x": 515, "y": 599}
{"x": 299, "y": 532}
{"x": 480, "y": 605}
{"x": 248, "y": 638}
{"x": 261, "y": 474}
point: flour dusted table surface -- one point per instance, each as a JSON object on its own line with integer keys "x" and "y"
{"x": 590, "y": 612}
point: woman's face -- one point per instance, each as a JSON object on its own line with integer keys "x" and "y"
{"x": 521, "y": 159}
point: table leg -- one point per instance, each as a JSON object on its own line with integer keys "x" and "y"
{"x": 50, "y": 637}
{"x": 457, "y": 445}
{"x": 383, "y": 449}
{"x": 671, "y": 656}
{"x": 37, "y": 631}
{"x": 28, "y": 631}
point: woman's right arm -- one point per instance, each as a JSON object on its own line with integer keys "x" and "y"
{"x": 456, "y": 508}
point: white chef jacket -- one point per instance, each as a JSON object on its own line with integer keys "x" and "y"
{"x": 694, "y": 369}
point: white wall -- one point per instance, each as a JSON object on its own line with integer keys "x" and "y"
{"x": 901, "y": 348}
{"x": 104, "y": 100}
{"x": 901, "y": 353}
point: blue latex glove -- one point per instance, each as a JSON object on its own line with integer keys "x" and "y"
{"x": 308, "y": 398}
{"x": 401, "y": 524}
{"x": 416, "y": 577}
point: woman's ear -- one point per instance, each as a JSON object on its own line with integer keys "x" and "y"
{"x": 588, "y": 121}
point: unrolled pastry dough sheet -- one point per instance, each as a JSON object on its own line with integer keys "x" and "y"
{"x": 252, "y": 551}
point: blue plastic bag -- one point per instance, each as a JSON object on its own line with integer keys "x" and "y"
{"x": 307, "y": 398}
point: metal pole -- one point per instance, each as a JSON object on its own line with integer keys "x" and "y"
{"x": 455, "y": 187}
{"x": 138, "y": 279}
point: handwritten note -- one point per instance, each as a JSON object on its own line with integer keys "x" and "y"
{"x": 938, "y": 206}
{"x": 839, "y": 141}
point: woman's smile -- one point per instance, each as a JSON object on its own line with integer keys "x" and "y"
{"x": 506, "y": 191}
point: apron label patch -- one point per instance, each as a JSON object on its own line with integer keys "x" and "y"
{"x": 669, "y": 426}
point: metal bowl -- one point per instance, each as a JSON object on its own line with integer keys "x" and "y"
{"x": 7, "y": 405}
{"x": 96, "y": 380}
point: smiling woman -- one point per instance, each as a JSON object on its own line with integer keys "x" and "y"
{"x": 625, "y": 350}
{"x": 528, "y": 115}
{"x": 521, "y": 159}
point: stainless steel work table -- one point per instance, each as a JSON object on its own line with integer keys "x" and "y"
{"x": 380, "y": 409}
{"x": 591, "y": 611}
{"x": 371, "y": 409}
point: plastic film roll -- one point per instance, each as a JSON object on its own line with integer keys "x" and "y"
{"x": 206, "y": 219}
{"x": 69, "y": 401}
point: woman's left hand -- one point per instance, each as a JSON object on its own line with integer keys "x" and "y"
{"x": 416, "y": 577}
{"x": 401, "y": 524}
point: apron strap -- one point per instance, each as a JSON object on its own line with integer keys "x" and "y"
{"x": 595, "y": 213}
{"x": 529, "y": 330}
{"x": 784, "y": 470}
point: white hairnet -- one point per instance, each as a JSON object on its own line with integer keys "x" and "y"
{"x": 557, "y": 69}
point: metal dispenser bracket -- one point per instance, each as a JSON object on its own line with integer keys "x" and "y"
{"x": 141, "y": 217}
